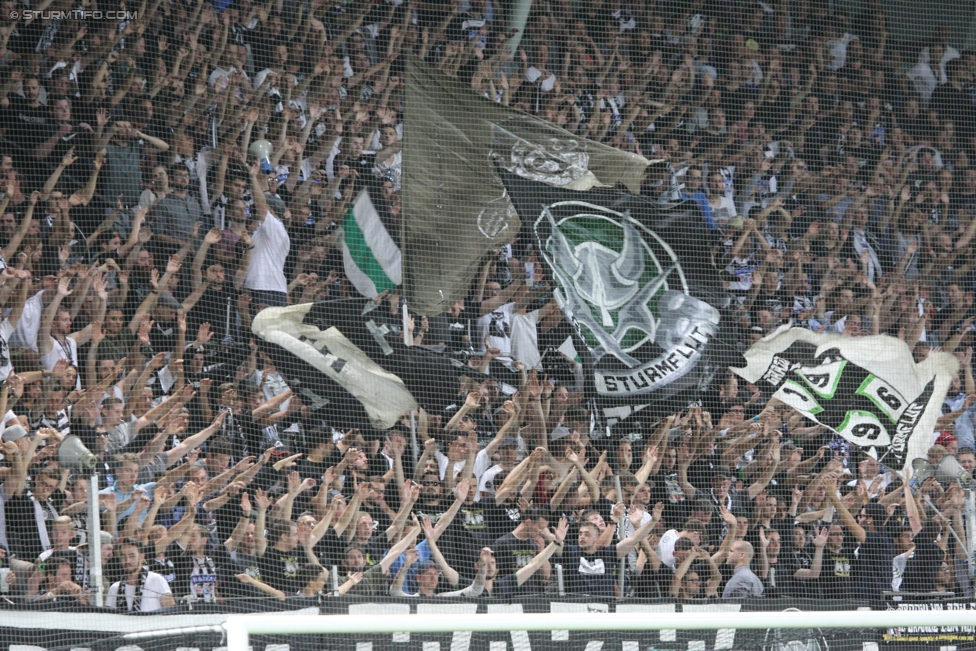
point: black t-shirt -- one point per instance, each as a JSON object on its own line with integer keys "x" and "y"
{"x": 280, "y": 569}
{"x": 836, "y": 574}
{"x": 216, "y": 307}
{"x": 651, "y": 584}
{"x": 921, "y": 570}
{"x": 513, "y": 554}
{"x": 330, "y": 549}
{"x": 26, "y": 124}
{"x": 590, "y": 573}
{"x": 448, "y": 330}
{"x": 22, "y": 531}
{"x": 230, "y": 586}
{"x": 462, "y": 541}
{"x": 872, "y": 566}
{"x": 789, "y": 586}
{"x": 257, "y": 439}
{"x": 197, "y": 576}
{"x": 500, "y": 518}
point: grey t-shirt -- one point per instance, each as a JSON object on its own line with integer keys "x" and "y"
{"x": 121, "y": 174}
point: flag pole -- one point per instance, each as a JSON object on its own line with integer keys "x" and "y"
{"x": 413, "y": 437}
{"x": 620, "y": 532}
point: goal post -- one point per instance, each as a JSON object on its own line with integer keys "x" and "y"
{"x": 241, "y": 627}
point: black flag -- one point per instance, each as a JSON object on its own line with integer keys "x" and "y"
{"x": 634, "y": 278}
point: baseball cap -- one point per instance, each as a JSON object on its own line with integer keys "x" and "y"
{"x": 945, "y": 437}
{"x": 13, "y": 433}
{"x": 510, "y": 441}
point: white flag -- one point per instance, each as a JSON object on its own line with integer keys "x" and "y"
{"x": 867, "y": 389}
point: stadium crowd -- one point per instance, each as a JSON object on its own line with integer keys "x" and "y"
{"x": 167, "y": 177}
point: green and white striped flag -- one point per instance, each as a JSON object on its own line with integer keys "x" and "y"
{"x": 370, "y": 252}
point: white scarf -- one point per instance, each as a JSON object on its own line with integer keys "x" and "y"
{"x": 41, "y": 522}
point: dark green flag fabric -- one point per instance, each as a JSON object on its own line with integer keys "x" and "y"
{"x": 455, "y": 208}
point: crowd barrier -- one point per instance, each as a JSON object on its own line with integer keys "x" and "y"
{"x": 198, "y": 627}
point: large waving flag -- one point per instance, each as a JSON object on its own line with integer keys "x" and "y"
{"x": 347, "y": 361}
{"x": 370, "y": 248}
{"x": 455, "y": 208}
{"x": 867, "y": 389}
{"x": 629, "y": 273}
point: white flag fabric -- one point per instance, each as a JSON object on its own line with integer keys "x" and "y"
{"x": 381, "y": 393}
{"x": 867, "y": 389}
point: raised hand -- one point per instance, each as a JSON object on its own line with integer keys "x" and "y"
{"x": 727, "y": 516}
{"x": 560, "y": 531}
{"x": 658, "y": 511}
{"x": 69, "y": 158}
{"x": 462, "y": 489}
{"x": 820, "y": 540}
{"x": 96, "y": 334}
{"x": 63, "y": 286}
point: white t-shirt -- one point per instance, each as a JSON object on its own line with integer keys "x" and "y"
{"x": 525, "y": 339}
{"x": 724, "y": 211}
{"x": 6, "y": 330}
{"x": 154, "y": 588}
{"x": 25, "y": 334}
{"x": 67, "y": 350}
{"x": 665, "y": 547}
{"x": 271, "y": 246}
{"x": 497, "y": 325}
{"x": 898, "y": 564}
{"x": 533, "y": 74}
{"x": 442, "y": 462}
{"x": 487, "y": 478}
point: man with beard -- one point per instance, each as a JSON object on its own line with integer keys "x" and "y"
{"x": 235, "y": 190}
{"x": 55, "y": 340}
{"x": 141, "y": 591}
{"x": 26, "y": 119}
{"x": 178, "y": 213}
{"x": 590, "y": 567}
{"x": 31, "y": 515}
{"x": 278, "y": 563}
{"x": 217, "y": 304}
{"x": 117, "y": 340}
{"x": 374, "y": 578}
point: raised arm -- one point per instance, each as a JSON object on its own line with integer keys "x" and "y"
{"x": 398, "y": 548}
{"x": 813, "y": 572}
{"x": 846, "y": 518}
{"x": 257, "y": 194}
{"x": 461, "y": 494}
{"x": 449, "y": 572}
{"x": 44, "y": 344}
{"x": 542, "y": 558}
{"x": 21, "y": 232}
